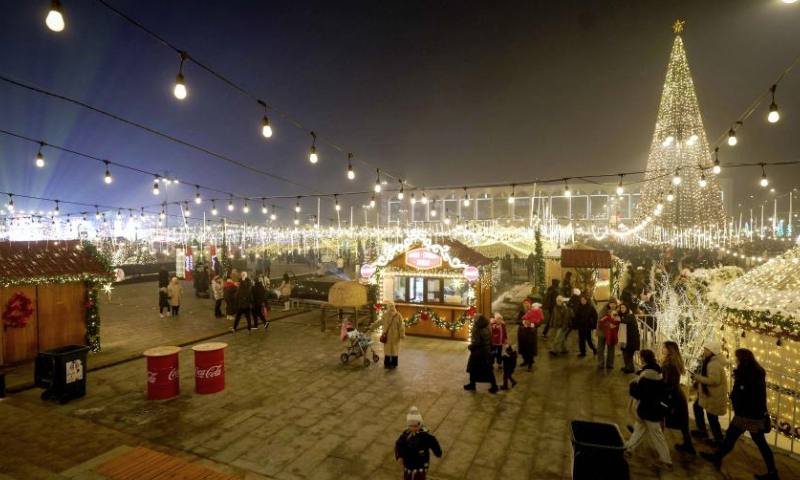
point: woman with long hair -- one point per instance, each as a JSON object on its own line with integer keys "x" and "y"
{"x": 672, "y": 369}
{"x": 749, "y": 400}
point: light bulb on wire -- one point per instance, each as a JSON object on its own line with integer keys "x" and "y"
{"x": 764, "y": 180}
{"x": 567, "y": 191}
{"x": 773, "y": 115}
{"x": 336, "y": 203}
{"x": 197, "y": 198}
{"x": 39, "y": 156}
{"x": 511, "y": 198}
{"x": 246, "y": 208}
{"x": 378, "y": 182}
{"x": 312, "y": 155}
{"x": 401, "y": 193}
{"x": 372, "y": 201}
{"x": 732, "y": 141}
{"x": 413, "y": 199}
{"x": 57, "y": 210}
{"x": 424, "y": 198}
{"x": 702, "y": 182}
{"x": 213, "y": 208}
{"x": 433, "y": 209}
{"x": 466, "y": 197}
{"x": 55, "y": 17}
{"x": 297, "y": 206}
{"x": 156, "y": 191}
{"x": 717, "y": 167}
{"x": 676, "y": 179}
{"x": 263, "y": 208}
{"x": 273, "y": 216}
{"x": 230, "y": 204}
{"x": 670, "y": 196}
{"x": 266, "y": 130}
{"x": 351, "y": 174}
{"x": 180, "y": 91}
{"x": 107, "y": 178}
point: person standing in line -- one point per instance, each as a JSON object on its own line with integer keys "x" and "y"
{"x": 610, "y": 306}
{"x": 609, "y": 326}
{"x": 586, "y": 321}
{"x": 712, "y": 391}
{"x": 163, "y": 297}
{"x": 413, "y": 449}
{"x": 649, "y": 393}
{"x": 499, "y": 337}
{"x": 562, "y": 317}
{"x": 218, "y": 290}
{"x": 258, "y": 302}
{"x": 749, "y": 401}
{"x": 286, "y": 292}
{"x": 175, "y": 292}
{"x": 550, "y": 304}
{"x": 267, "y": 266}
{"x": 632, "y": 341}
{"x": 509, "y": 365}
{"x": 229, "y": 295}
{"x": 526, "y": 333}
{"x": 395, "y": 331}
{"x": 243, "y": 300}
{"x": 678, "y": 416}
{"x": 479, "y": 365}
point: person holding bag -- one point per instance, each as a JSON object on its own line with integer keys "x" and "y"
{"x": 393, "y": 331}
{"x": 749, "y": 401}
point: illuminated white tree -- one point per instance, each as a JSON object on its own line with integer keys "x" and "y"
{"x": 680, "y": 145}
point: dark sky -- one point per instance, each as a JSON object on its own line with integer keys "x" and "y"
{"x": 438, "y": 92}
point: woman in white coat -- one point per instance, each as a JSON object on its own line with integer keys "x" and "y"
{"x": 394, "y": 329}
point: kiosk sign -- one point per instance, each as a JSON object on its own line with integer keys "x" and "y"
{"x": 423, "y": 259}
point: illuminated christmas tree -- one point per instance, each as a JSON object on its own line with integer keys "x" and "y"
{"x": 680, "y": 189}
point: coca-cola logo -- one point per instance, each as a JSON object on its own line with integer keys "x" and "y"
{"x": 173, "y": 375}
{"x": 210, "y": 372}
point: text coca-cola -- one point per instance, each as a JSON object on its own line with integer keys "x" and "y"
{"x": 210, "y": 372}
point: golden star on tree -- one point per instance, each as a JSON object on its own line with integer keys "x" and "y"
{"x": 678, "y": 26}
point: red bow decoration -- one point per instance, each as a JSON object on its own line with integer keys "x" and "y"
{"x": 378, "y": 308}
{"x": 471, "y": 312}
{"x": 424, "y": 316}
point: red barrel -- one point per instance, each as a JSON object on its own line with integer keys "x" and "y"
{"x": 163, "y": 373}
{"x": 209, "y": 367}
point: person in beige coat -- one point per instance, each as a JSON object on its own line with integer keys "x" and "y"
{"x": 712, "y": 388}
{"x": 395, "y": 330}
{"x": 174, "y": 293}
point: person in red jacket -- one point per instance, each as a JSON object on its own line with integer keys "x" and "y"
{"x": 526, "y": 334}
{"x": 499, "y": 337}
{"x": 608, "y": 329}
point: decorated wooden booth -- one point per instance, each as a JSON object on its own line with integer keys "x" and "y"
{"x": 438, "y": 288}
{"x": 591, "y": 268}
{"x": 48, "y": 297}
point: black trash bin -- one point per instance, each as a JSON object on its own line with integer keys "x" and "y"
{"x": 598, "y": 452}
{"x": 62, "y": 373}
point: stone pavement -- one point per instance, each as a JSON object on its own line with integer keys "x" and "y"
{"x": 292, "y": 410}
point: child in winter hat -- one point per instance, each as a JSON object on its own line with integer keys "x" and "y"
{"x": 413, "y": 448}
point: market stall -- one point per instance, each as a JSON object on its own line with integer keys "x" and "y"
{"x": 591, "y": 268}
{"x": 438, "y": 287}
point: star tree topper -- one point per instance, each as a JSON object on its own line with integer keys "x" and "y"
{"x": 677, "y": 27}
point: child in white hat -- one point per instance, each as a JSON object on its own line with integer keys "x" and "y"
{"x": 413, "y": 448}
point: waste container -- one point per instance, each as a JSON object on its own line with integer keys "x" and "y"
{"x": 62, "y": 373}
{"x": 598, "y": 452}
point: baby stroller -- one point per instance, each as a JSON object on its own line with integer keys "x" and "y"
{"x": 359, "y": 344}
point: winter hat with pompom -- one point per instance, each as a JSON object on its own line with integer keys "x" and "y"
{"x": 413, "y": 417}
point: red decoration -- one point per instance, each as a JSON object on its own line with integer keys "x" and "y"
{"x": 471, "y": 311}
{"x": 378, "y": 308}
{"x": 424, "y": 316}
{"x": 18, "y": 310}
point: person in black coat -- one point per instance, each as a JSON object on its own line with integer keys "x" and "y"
{"x": 549, "y": 304}
{"x": 586, "y": 322}
{"x": 749, "y": 401}
{"x": 163, "y": 298}
{"x": 509, "y": 365}
{"x": 258, "y": 301}
{"x": 479, "y": 365}
{"x": 413, "y": 448}
{"x": 243, "y": 302}
{"x": 632, "y": 340}
{"x": 650, "y": 399}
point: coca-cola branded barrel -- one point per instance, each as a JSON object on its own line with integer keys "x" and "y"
{"x": 163, "y": 372}
{"x": 209, "y": 367}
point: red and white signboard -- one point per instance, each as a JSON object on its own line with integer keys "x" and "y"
{"x": 423, "y": 259}
{"x": 367, "y": 270}
{"x": 471, "y": 273}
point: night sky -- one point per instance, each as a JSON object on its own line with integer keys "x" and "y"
{"x": 436, "y": 92}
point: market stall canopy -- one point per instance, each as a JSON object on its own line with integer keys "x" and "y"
{"x": 585, "y": 259}
{"x": 572, "y": 246}
{"x": 22, "y": 261}
{"x": 467, "y": 255}
{"x": 347, "y": 294}
{"x": 772, "y": 287}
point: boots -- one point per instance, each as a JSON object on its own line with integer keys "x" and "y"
{"x": 285, "y": 306}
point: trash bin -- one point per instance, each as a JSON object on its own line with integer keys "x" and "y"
{"x": 62, "y": 373}
{"x": 598, "y": 452}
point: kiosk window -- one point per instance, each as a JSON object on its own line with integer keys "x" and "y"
{"x": 400, "y": 286}
{"x": 455, "y": 291}
{"x": 434, "y": 290}
{"x": 416, "y": 292}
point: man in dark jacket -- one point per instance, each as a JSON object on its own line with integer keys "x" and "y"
{"x": 479, "y": 365}
{"x": 586, "y": 322}
{"x": 413, "y": 448}
{"x": 549, "y": 304}
{"x": 650, "y": 398}
{"x": 243, "y": 301}
{"x": 258, "y": 302}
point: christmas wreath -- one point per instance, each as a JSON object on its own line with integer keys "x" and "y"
{"x": 18, "y": 310}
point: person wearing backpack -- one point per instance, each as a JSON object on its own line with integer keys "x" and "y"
{"x": 650, "y": 403}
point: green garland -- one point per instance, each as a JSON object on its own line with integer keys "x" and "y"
{"x": 456, "y": 325}
{"x": 762, "y": 322}
{"x": 92, "y": 318}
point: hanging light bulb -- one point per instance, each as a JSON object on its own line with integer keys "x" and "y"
{"x": 336, "y": 203}
{"x": 107, "y": 178}
{"x": 163, "y": 213}
{"x": 424, "y": 198}
{"x": 155, "y": 186}
{"x": 466, "y": 197}
{"x": 413, "y": 200}
{"x": 676, "y": 179}
{"x": 141, "y": 215}
{"x": 180, "y": 86}
{"x": 272, "y": 216}
{"x": 400, "y": 194}
{"x": 39, "y": 156}
{"x": 197, "y": 197}
{"x": 702, "y": 182}
{"x": 186, "y": 212}
{"x": 433, "y": 209}
{"x": 732, "y": 141}
{"x": 717, "y": 167}
{"x": 447, "y": 220}
{"x": 96, "y": 213}
{"x": 230, "y": 204}
{"x": 214, "y": 207}
{"x": 296, "y": 221}
{"x": 620, "y": 188}
{"x": 764, "y": 180}
{"x": 297, "y": 205}
{"x": 263, "y": 208}
{"x": 119, "y": 214}
{"x": 351, "y": 174}
{"x": 372, "y": 201}
{"x": 511, "y": 198}
{"x": 10, "y": 204}
{"x": 55, "y": 17}
{"x": 246, "y": 208}
{"x": 312, "y": 155}
{"x": 773, "y": 115}
{"x": 57, "y": 210}
{"x": 567, "y": 191}
{"x": 670, "y": 196}
{"x": 378, "y": 182}
{"x": 266, "y": 130}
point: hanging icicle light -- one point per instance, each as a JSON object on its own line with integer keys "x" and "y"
{"x": 180, "y": 91}
{"x": 55, "y": 17}
{"x": 107, "y": 178}
{"x": 312, "y": 155}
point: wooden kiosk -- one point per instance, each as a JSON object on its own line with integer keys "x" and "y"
{"x": 439, "y": 288}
